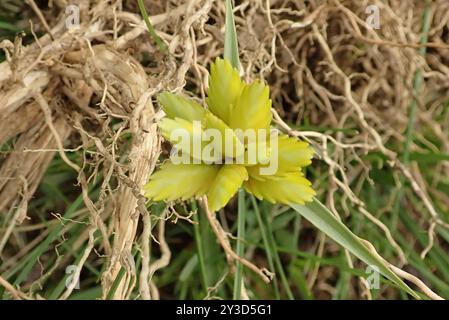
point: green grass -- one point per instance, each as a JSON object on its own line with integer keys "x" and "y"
{"x": 241, "y": 225}
{"x": 272, "y": 233}
{"x": 272, "y": 236}
{"x": 417, "y": 83}
{"x": 151, "y": 31}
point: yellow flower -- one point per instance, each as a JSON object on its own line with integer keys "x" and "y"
{"x": 233, "y": 106}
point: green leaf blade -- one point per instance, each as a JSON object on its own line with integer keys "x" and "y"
{"x": 326, "y": 222}
{"x": 231, "y": 49}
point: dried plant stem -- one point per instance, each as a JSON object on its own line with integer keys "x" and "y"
{"x": 145, "y": 244}
{"x": 164, "y": 260}
{"x": 354, "y": 86}
{"x": 38, "y": 12}
{"x": 48, "y": 119}
{"x": 76, "y": 274}
{"x": 405, "y": 275}
{"x": 16, "y": 294}
{"x": 222, "y": 238}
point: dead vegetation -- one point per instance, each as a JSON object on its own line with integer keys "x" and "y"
{"x": 90, "y": 92}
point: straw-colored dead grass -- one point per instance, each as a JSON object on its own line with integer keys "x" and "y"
{"x": 90, "y": 88}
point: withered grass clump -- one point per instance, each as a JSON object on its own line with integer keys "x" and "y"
{"x": 84, "y": 98}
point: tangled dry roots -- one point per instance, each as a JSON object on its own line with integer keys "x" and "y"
{"x": 88, "y": 89}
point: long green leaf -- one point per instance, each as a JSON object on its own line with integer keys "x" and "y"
{"x": 231, "y": 49}
{"x": 241, "y": 221}
{"x": 199, "y": 247}
{"x": 266, "y": 243}
{"x": 325, "y": 221}
{"x": 9, "y": 27}
{"x": 231, "y": 53}
{"x": 429, "y": 157}
{"x": 150, "y": 27}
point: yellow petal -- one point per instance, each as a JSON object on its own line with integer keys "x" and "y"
{"x": 180, "y": 107}
{"x": 169, "y": 126}
{"x": 225, "y": 87}
{"x": 180, "y": 181}
{"x": 229, "y": 145}
{"x": 190, "y": 139}
{"x": 226, "y": 183}
{"x": 183, "y": 135}
{"x": 291, "y": 189}
{"x": 253, "y": 108}
{"x": 257, "y": 152}
{"x": 291, "y": 154}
